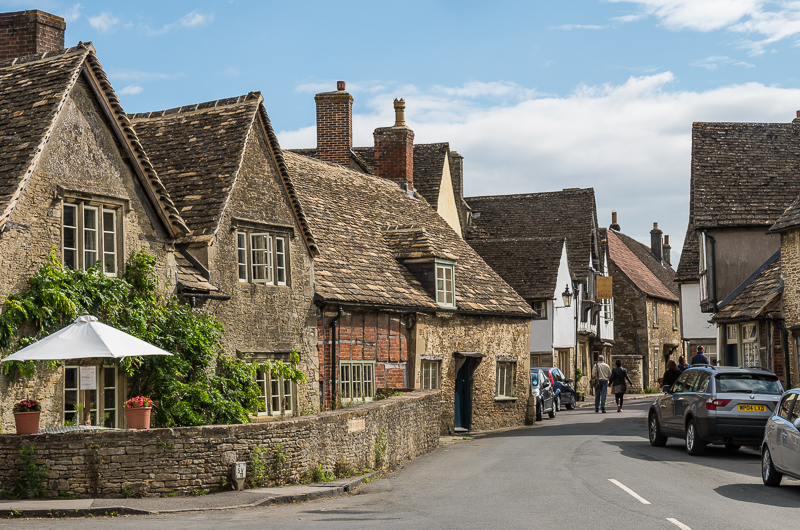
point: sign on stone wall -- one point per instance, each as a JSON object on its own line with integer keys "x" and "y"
{"x": 604, "y": 288}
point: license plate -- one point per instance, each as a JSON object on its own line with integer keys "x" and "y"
{"x": 752, "y": 408}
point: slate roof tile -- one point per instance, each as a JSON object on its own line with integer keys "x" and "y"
{"x": 349, "y": 214}
{"x": 689, "y": 266}
{"x": 569, "y": 214}
{"x": 637, "y": 263}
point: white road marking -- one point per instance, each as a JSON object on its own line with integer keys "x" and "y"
{"x": 629, "y": 491}
{"x": 678, "y": 523}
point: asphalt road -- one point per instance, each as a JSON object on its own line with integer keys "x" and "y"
{"x": 579, "y": 470}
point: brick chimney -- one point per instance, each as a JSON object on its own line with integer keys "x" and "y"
{"x": 394, "y": 149}
{"x": 335, "y": 125}
{"x": 614, "y": 225}
{"x": 667, "y": 249}
{"x": 30, "y": 32}
{"x": 655, "y": 241}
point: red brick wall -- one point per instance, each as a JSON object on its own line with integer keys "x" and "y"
{"x": 30, "y": 32}
{"x": 394, "y": 154}
{"x": 334, "y": 126}
{"x": 370, "y": 336}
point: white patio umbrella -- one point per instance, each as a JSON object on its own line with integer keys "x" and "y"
{"x": 83, "y": 339}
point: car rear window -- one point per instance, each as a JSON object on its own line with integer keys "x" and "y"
{"x": 755, "y": 383}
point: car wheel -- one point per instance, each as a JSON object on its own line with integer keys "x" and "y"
{"x": 768, "y": 473}
{"x": 539, "y": 416}
{"x": 656, "y": 438}
{"x": 694, "y": 445}
{"x": 552, "y": 413}
{"x": 571, "y": 404}
{"x": 558, "y": 403}
{"x": 732, "y": 447}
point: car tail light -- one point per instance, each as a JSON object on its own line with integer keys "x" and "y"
{"x": 713, "y": 404}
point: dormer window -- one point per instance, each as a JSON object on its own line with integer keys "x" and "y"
{"x": 445, "y": 283}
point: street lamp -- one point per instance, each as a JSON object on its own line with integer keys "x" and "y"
{"x": 566, "y": 296}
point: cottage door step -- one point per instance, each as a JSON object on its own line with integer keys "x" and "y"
{"x": 459, "y": 430}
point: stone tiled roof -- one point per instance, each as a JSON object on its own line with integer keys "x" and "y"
{"x": 428, "y": 166}
{"x": 690, "y": 259}
{"x": 569, "y": 214}
{"x": 349, "y": 214}
{"x": 198, "y": 150}
{"x": 757, "y": 293}
{"x": 743, "y": 174}
{"x": 412, "y": 242}
{"x": 189, "y": 277}
{"x": 660, "y": 269}
{"x": 632, "y": 265}
{"x": 529, "y": 265}
{"x": 33, "y": 90}
{"x": 789, "y": 219}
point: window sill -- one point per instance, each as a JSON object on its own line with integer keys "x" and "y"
{"x": 504, "y": 398}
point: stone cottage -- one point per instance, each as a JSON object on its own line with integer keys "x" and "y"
{"x": 438, "y": 172}
{"x": 537, "y": 241}
{"x": 75, "y": 178}
{"x": 403, "y": 300}
{"x": 785, "y": 337}
{"x": 647, "y": 314}
{"x": 222, "y": 164}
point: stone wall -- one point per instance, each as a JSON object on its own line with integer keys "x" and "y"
{"x": 181, "y": 460}
{"x": 790, "y": 299}
{"x": 80, "y": 163}
{"x": 438, "y": 336}
{"x": 633, "y": 364}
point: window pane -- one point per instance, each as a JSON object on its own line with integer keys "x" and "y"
{"x": 287, "y": 395}
{"x": 280, "y": 260}
{"x": 241, "y": 255}
{"x": 258, "y": 244}
{"x": 70, "y": 236}
{"x": 109, "y": 242}
{"x": 357, "y": 382}
{"x": 275, "y": 390}
{"x": 369, "y": 385}
{"x": 89, "y": 236}
{"x": 344, "y": 392}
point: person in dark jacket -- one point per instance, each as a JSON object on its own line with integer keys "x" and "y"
{"x": 682, "y": 364}
{"x": 618, "y": 377}
{"x": 670, "y": 375}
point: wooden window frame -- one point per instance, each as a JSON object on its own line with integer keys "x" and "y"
{"x": 356, "y": 387}
{"x": 442, "y": 294}
{"x": 543, "y": 314}
{"x": 99, "y": 411}
{"x": 278, "y": 255}
{"x": 271, "y": 266}
{"x": 241, "y": 257}
{"x": 504, "y": 390}
{"x": 430, "y": 374}
{"x": 286, "y": 401}
{"x": 100, "y": 231}
{"x": 655, "y": 313}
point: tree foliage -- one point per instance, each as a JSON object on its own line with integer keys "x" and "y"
{"x": 198, "y": 385}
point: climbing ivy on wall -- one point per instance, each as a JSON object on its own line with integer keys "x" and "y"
{"x": 198, "y": 385}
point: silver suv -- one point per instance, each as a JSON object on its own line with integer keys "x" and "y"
{"x": 717, "y": 405}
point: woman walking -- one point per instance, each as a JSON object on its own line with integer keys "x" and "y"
{"x": 618, "y": 377}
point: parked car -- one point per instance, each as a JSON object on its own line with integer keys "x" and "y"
{"x": 780, "y": 452}
{"x": 568, "y": 396}
{"x": 542, "y": 390}
{"x": 715, "y": 405}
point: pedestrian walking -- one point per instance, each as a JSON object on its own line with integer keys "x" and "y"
{"x": 700, "y": 356}
{"x": 619, "y": 375}
{"x": 600, "y": 373}
{"x": 682, "y": 365}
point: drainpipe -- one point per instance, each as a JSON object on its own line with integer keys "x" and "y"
{"x": 713, "y": 268}
{"x": 334, "y": 325}
{"x": 785, "y": 340}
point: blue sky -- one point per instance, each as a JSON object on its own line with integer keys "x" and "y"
{"x": 536, "y": 95}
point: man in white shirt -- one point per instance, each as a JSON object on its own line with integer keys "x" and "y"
{"x": 602, "y": 372}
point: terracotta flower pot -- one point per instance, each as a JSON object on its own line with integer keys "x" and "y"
{"x": 27, "y": 422}
{"x": 138, "y": 418}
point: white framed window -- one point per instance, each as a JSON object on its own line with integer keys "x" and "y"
{"x": 280, "y": 261}
{"x": 655, "y": 313}
{"x": 110, "y": 417}
{"x": 732, "y": 333}
{"x": 261, "y": 257}
{"x": 445, "y": 284}
{"x": 540, "y": 306}
{"x": 505, "y": 379}
{"x": 75, "y": 402}
{"x": 430, "y": 374}
{"x": 750, "y": 353}
{"x": 241, "y": 255}
{"x": 356, "y": 380}
{"x": 276, "y": 395}
{"x": 701, "y": 241}
{"x": 674, "y": 318}
{"x": 608, "y": 308}
{"x": 89, "y": 235}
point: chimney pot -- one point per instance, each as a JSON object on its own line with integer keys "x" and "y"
{"x": 399, "y": 112}
{"x": 798, "y": 113}
{"x": 667, "y": 251}
{"x": 656, "y": 244}
{"x": 666, "y": 240}
{"x": 334, "y": 125}
{"x": 614, "y": 224}
{"x": 339, "y": 85}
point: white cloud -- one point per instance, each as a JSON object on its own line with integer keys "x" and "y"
{"x": 130, "y": 90}
{"x": 630, "y": 142}
{"x": 568, "y": 27}
{"x": 73, "y": 13}
{"x": 103, "y": 21}
{"x": 714, "y": 62}
{"x": 772, "y": 20}
{"x": 190, "y": 20}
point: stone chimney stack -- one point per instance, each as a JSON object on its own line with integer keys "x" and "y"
{"x": 614, "y": 225}
{"x": 30, "y": 32}
{"x": 334, "y": 125}
{"x": 394, "y": 149}
{"x": 667, "y": 251}
{"x": 655, "y": 242}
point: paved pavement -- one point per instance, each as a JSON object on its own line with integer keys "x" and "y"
{"x": 578, "y": 470}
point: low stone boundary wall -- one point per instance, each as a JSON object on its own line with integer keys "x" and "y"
{"x": 185, "y": 459}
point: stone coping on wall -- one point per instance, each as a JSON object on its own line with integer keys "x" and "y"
{"x": 184, "y": 459}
